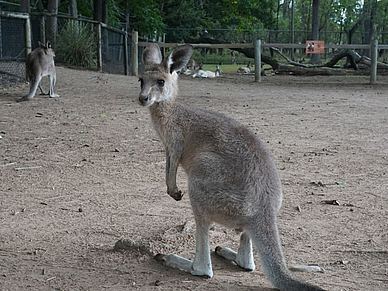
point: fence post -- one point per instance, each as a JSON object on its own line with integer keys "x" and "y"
{"x": 28, "y": 40}
{"x": 164, "y": 48}
{"x": 257, "y": 46}
{"x": 135, "y": 52}
{"x": 99, "y": 51}
{"x": 373, "y": 57}
{"x": 28, "y": 36}
{"x": 126, "y": 71}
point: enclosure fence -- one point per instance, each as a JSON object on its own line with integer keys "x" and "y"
{"x": 268, "y": 36}
{"x": 20, "y": 33}
{"x": 14, "y": 47}
{"x": 116, "y": 51}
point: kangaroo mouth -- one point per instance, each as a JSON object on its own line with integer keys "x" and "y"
{"x": 145, "y": 101}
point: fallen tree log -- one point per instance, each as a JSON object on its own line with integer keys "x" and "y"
{"x": 292, "y": 67}
{"x": 317, "y": 71}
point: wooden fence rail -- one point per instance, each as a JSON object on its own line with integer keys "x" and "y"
{"x": 265, "y": 45}
{"x": 258, "y": 45}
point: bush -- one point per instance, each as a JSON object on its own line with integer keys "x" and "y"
{"x": 217, "y": 58}
{"x": 77, "y": 45}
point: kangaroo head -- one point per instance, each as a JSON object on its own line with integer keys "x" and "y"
{"x": 159, "y": 80}
{"x": 48, "y": 49}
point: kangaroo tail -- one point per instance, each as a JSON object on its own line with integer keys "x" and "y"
{"x": 265, "y": 236}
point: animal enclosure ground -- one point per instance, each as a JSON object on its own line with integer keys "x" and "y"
{"x": 80, "y": 172}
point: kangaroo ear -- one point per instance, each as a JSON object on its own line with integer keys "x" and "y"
{"x": 151, "y": 56}
{"x": 178, "y": 58}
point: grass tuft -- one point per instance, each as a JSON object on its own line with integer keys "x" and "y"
{"x": 77, "y": 45}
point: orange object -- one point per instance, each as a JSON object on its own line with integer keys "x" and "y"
{"x": 315, "y": 47}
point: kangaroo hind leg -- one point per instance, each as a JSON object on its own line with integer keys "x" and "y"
{"x": 42, "y": 90}
{"x": 243, "y": 257}
{"x": 201, "y": 266}
{"x": 53, "y": 80}
{"x": 34, "y": 83}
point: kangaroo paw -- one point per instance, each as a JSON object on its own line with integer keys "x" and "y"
{"x": 177, "y": 195}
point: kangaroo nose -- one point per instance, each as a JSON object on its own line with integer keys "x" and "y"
{"x": 143, "y": 99}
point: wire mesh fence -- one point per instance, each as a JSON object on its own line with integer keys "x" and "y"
{"x": 86, "y": 43}
{"x": 268, "y": 36}
{"x": 12, "y": 51}
{"x": 112, "y": 48}
{"x": 76, "y": 44}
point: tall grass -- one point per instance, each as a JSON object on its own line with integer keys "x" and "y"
{"x": 216, "y": 58}
{"x": 77, "y": 45}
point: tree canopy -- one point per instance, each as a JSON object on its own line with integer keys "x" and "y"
{"x": 349, "y": 21}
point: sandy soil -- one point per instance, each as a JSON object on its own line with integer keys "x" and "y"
{"x": 80, "y": 172}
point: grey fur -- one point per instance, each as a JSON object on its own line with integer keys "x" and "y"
{"x": 231, "y": 176}
{"x": 40, "y": 63}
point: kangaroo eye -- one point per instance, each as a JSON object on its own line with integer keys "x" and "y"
{"x": 161, "y": 83}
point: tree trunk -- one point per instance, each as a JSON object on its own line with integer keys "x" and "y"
{"x": 105, "y": 11}
{"x": 39, "y": 6}
{"x": 351, "y": 31}
{"x": 315, "y": 58}
{"x": 104, "y": 32}
{"x": 97, "y": 10}
{"x": 372, "y": 26}
{"x": 366, "y": 39}
{"x": 73, "y": 8}
{"x": 292, "y": 30}
{"x": 25, "y": 6}
{"x": 51, "y": 21}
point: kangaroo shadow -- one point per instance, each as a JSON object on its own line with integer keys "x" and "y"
{"x": 11, "y": 97}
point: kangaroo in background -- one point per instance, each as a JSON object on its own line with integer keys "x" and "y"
{"x": 231, "y": 177}
{"x": 207, "y": 74}
{"x": 191, "y": 64}
{"x": 40, "y": 63}
{"x": 245, "y": 70}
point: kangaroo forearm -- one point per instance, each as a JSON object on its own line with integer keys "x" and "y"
{"x": 171, "y": 171}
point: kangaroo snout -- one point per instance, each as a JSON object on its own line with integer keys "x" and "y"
{"x": 143, "y": 99}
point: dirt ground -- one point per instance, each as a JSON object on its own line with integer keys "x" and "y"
{"x": 82, "y": 171}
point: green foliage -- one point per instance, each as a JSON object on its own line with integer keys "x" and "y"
{"x": 76, "y": 45}
{"x": 191, "y": 18}
{"x": 222, "y": 56}
{"x": 113, "y": 13}
{"x": 248, "y": 14}
{"x": 145, "y": 16}
{"x": 85, "y": 7}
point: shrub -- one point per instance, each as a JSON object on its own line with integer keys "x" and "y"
{"x": 77, "y": 45}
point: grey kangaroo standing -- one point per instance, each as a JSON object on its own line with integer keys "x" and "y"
{"x": 231, "y": 177}
{"x": 40, "y": 63}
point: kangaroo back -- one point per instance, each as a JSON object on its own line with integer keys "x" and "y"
{"x": 41, "y": 61}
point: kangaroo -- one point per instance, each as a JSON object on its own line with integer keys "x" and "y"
{"x": 245, "y": 70}
{"x": 191, "y": 64}
{"x": 232, "y": 179}
{"x": 233, "y": 58}
{"x": 207, "y": 74}
{"x": 40, "y": 63}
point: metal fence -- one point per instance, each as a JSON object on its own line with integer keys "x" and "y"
{"x": 268, "y": 36}
{"x": 12, "y": 49}
{"x": 112, "y": 52}
{"x": 115, "y": 51}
